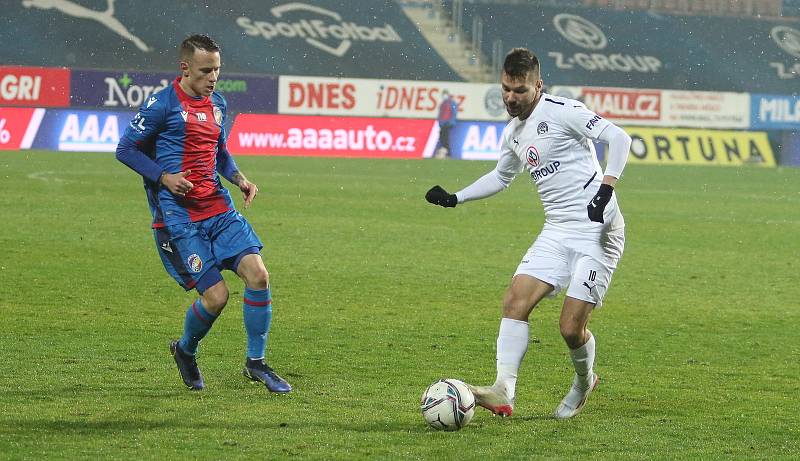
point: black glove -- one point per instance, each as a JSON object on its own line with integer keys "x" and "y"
{"x": 439, "y": 196}
{"x": 599, "y": 202}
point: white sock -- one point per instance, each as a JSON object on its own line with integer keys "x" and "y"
{"x": 512, "y": 343}
{"x": 583, "y": 360}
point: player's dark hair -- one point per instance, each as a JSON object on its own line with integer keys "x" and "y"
{"x": 520, "y": 62}
{"x": 197, "y": 42}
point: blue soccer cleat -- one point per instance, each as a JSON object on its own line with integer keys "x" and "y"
{"x": 187, "y": 366}
{"x": 258, "y": 370}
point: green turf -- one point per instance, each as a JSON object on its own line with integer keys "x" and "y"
{"x": 377, "y": 294}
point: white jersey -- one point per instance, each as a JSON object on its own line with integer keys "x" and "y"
{"x": 553, "y": 145}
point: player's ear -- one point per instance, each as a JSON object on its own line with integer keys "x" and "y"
{"x": 184, "y": 68}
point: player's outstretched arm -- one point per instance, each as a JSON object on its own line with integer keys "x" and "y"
{"x": 485, "y": 186}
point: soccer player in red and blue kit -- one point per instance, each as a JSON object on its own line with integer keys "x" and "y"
{"x": 177, "y": 143}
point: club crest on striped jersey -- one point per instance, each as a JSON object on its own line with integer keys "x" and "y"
{"x": 218, "y": 115}
{"x": 195, "y": 263}
{"x": 532, "y": 156}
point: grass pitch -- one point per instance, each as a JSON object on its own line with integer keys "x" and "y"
{"x": 376, "y": 295}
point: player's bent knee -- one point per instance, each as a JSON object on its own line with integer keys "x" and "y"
{"x": 516, "y": 308}
{"x": 259, "y": 279}
{"x": 216, "y": 297}
{"x": 252, "y": 270}
{"x": 573, "y": 334}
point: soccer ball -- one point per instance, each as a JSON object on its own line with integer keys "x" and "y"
{"x": 448, "y": 405}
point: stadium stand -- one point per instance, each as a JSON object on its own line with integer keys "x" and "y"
{"x": 356, "y": 38}
{"x": 584, "y": 45}
{"x": 771, "y": 8}
{"x": 791, "y": 8}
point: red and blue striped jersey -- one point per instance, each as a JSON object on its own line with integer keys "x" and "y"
{"x": 180, "y": 132}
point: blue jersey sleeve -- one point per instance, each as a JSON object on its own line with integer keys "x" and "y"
{"x": 131, "y": 155}
{"x": 226, "y": 166}
{"x": 135, "y": 146}
{"x": 149, "y": 121}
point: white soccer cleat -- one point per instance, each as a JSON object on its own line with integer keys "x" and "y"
{"x": 493, "y": 399}
{"x": 573, "y": 402}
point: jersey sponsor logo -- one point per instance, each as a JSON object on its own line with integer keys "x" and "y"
{"x": 138, "y": 123}
{"x": 591, "y": 123}
{"x": 195, "y": 263}
{"x": 548, "y": 170}
{"x": 201, "y": 116}
{"x": 542, "y": 128}
{"x": 532, "y": 156}
{"x": 585, "y": 34}
{"x": 317, "y": 32}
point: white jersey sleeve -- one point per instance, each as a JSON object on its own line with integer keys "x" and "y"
{"x": 586, "y": 123}
{"x": 583, "y": 122}
{"x": 619, "y": 144}
{"x": 508, "y": 167}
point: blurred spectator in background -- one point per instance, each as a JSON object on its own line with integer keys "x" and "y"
{"x": 448, "y": 110}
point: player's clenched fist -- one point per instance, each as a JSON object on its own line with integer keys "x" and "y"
{"x": 441, "y": 197}
{"x": 599, "y": 202}
{"x": 177, "y": 183}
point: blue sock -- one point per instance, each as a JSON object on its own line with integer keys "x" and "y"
{"x": 197, "y": 323}
{"x": 257, "y": 317}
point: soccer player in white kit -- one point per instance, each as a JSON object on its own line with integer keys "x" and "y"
{"x": 549, "y": 138}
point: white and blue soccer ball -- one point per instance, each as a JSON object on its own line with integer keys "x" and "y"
{"x": 448, "y": 405}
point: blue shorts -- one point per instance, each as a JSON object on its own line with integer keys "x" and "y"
{"x": 197, "y": 251}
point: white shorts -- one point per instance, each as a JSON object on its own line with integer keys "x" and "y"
{"x": 582, "y": 262}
